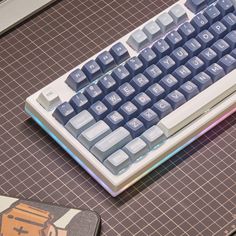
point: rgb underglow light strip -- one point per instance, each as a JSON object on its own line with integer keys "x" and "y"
{"x": 76, "y": 158}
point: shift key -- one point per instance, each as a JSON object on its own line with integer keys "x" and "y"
{"x": 111, "y": 143}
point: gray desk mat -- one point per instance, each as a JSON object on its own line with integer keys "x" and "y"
{"x": 194, "y": 193}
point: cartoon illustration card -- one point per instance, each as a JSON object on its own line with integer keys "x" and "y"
{"x": 27, "y": 218}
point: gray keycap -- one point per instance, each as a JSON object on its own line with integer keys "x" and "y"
{"x": 152, "y": 30}
{"x": 166, "y": 22}
{"x": 137, "y": 40}
{"x": 136, "y": 148}
{"x": 178, "y": 13}
{"x": 112, "y": 142}
{"x": 153, "y": 136}
{"x": 94, "y": 133}
{"x": 79, "y": 123}
{"x": 117, "y": 162}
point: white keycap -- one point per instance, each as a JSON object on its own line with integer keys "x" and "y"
{"x": 112, "y": 142}
{"x": 49, "y": 99}
{"x": 94, "y": 133}
{"x": 79, "y": 123}
{"x": 153, "y": 136}
{"x": 117, "y": 162}
{"x": 136, "y": 148}
{"x": 195, "y": 107}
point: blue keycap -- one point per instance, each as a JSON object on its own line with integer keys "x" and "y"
{"x": 230, "y": 38}
{"x": 180, "y": 56}
{"x": 156, "y": 92}
{"x": 161, "y": 48}
{"x": 208, "y": 56}
{"x": 112, "y": 101}
{"x": 166, "y": 64}
{"x": 77, "y": 80}
{"x": 187, "y": 31}
{"x": 196, "y": 65}
{"x": 92, "y": 70}
{"x": 193, "y": 47}
{"x": 107, "y": 84}
{"x": 200, "y": 22}
{"x": 119, "y": 52}
{"x": 149, "y": 118}
{"x": 233, "y": 53}
{"x": 140, "y": 83}
{"x": 106, "y": 61}
{"x": 209, "y": 2}
{"x": 126, "y": 91}
{"x": 93, "y": 93}
{"x": 79, "y": 102}
{"x": 121, "y": 75}
{"x": 230, "y": 21}
{"x": 202, "y": 80}
{"x": 218, "y": 30}
{"x": 195, "y": 5}
{"x": 114, "y": 120}
{"x": 225, "y": 6}
{"x": 169, "y": 83}
{"x": 142, "y": 101}
{"x": 148, "y": 57}
{"x": 162, "y": 108}
{"x": 228, "y": 63}
{"x": 128, "y": 110}
{"x": 176, "y": 99}
{"x": 134, "y": 66}
{"x": 153, "y": 73}
{"x": 189, "y": 90}
{"x": 221, "y": 48}
{"x": 215, "y": 71}
{"x": 98, "y": 110}
{"x": 205, "y": 38}
{"x": 135, "y": 127}
{"x": 64, "y": 113}
{"x": 212, "y": 14}
{"x": 182, "y": 74}
{"x": 174, "y": 39}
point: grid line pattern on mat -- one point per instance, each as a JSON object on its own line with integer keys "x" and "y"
{"x": 194, "y": 193}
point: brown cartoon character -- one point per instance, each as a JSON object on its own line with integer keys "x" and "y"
{"x": 25, "y": 220}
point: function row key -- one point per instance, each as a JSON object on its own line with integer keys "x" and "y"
{"x": 93, "y": 69}
{"x": 154, "y": 29}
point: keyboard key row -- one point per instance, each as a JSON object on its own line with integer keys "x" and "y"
{"x": 154, "y": 29}
{"x": 93, "y": 69}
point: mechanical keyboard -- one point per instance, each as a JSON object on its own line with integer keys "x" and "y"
{"x": 138, "y": 102}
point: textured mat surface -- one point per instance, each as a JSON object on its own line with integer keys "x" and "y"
{"x": 194, "y": 193}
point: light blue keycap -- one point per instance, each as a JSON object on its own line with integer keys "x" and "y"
{"x": 117, "y": 162}
{"x": 166, "y": 22}
{"x": 153, "y": 136}
{"x": 178, "y": 13}
{"x": 152, "y": 30}
{"x": 111, "y": 143}
{"x": 79, "y": 123}
{"x": 94, "y": 133}
{"x": 137, "y": 40}
{"x": 136, "y": 148}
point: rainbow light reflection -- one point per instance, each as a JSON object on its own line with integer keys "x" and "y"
{"x": 114, "y": 194}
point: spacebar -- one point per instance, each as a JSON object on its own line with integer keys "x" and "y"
{"x": 195, "y": 107}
